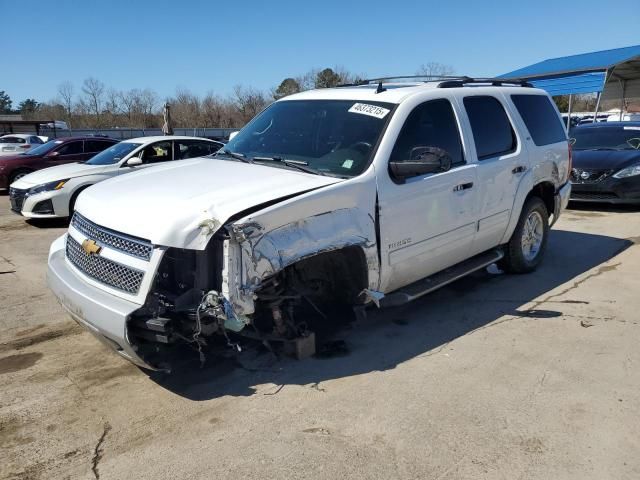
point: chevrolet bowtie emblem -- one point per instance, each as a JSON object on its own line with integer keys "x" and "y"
{"x": 91, "y": 247}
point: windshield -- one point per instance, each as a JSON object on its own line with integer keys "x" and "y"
{"x": 113, "y": 154}
{"x": 44, "y": 148}
{"x": 609, "y": 138}
{"x": 333, "y": 137}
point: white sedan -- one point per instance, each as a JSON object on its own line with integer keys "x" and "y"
{"x": 14, "y": 144}
{"x": 52, "y": 192}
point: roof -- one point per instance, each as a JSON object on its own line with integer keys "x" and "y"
{"x": 396, "y": 93}
{"x": 158, "y": 138}
{"x": 584, "y": 62}
{"x": 586, "y": 73}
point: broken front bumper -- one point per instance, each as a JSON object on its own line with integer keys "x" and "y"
{"x": 102, "y": 314}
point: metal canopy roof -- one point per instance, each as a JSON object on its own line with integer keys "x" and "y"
{"x": 615, "y": 73}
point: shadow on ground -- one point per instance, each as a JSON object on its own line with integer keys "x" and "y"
{"x": 48, "y": 222}
{"x": 390, "y": 337}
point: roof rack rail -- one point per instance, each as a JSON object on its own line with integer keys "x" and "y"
{"x": 424, "y": 78}
{"x": 446, "y": 81}
{"x": 496, "y": 82}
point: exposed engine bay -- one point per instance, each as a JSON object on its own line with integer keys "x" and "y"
{"x": 185, "y": 304}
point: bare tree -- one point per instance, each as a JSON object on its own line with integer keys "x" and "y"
{"x": 435, "y": 69}
{"x": 65, "y": 92}
{"x": 94, "y": 92}
{"x": 248, "y": 102}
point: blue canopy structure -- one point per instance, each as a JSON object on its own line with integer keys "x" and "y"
{"x": 612, "y": 74}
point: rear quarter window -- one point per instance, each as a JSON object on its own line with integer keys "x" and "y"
{"x": 541, "y": 119}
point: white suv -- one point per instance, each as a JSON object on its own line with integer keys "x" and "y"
{"x": 374, "y": 193}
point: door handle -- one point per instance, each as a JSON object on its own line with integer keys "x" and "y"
{"x": 519, "y": 169}
{"x": 463, "y": 186}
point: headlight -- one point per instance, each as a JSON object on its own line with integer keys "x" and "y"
{"x": 628, "y": 172}
{"x": 46, "y": 187}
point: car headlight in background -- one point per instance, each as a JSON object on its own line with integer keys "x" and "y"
{"x": 628, "y": 172}
{"x": 46, "y": 187}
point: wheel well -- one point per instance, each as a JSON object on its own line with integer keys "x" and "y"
{"x": 312, "y": 292}
{"x": 16, "y": 172}
{"x": 546, "y": 192}
{"x": 74, "y": 196}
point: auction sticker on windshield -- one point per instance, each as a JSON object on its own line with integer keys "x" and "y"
{"x": 371, "y": 110}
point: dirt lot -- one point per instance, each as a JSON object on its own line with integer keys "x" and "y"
{"x": 495, "y": 376}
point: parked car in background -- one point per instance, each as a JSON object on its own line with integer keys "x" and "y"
{"x": 52, "y": 153}
{"x": 606, "y": 163}
{"x": 52, "y": 192}
{"x": 626, "y": 117}
{"x": 15, "y": 144}
{"x": 57, "y": 124}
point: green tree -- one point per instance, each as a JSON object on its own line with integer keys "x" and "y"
{"x": 28, "y": 106}
{"x": 5, "y": 102}
{"x": 288, "y": 86}
{"x": 327, "y": 78}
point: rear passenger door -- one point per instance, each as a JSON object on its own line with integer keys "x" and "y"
{"x": 427, "y": 222}
{"x": 502, "y": 162}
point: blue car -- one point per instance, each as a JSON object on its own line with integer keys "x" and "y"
{"x": 606, "y": 163}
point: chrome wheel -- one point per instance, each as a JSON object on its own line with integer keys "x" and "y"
{"x": 532, "y": 236}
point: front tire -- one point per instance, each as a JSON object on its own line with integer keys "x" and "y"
{"x": 527, "y": 245}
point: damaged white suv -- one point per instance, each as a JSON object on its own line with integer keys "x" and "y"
{"x": 373, "y": 193}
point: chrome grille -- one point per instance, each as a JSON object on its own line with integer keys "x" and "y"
{"x": 102, "y": 269}
{"x": 580, "y": 175}
{"x": 16, "y": 198}
{"x": 135, "y": 247}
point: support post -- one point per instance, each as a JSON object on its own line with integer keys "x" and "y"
{"x": 623, "y": 84}
{"x": 569, "y": 112}
{"x": 595, "y": 114}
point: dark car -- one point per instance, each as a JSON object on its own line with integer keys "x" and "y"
{"x": 606, "y": 163}
{"x": 54, "y": 152}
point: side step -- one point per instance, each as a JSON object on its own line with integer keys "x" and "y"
{"x": 440, "y": 279}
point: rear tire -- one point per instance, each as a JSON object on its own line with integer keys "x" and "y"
{"x": 527, "y": 245}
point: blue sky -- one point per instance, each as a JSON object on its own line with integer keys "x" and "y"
{"x": 212, "y": 46}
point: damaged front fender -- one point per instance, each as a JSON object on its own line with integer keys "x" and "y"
{"x": 263, "y": 253}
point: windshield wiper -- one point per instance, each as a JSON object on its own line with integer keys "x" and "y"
{"x": 299, "y": 164}
{"x": 237, "y": 156}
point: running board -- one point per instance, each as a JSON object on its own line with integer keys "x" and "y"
{"x": 440, "y": 279}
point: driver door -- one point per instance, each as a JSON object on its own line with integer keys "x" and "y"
{"x": 427, "y": 222}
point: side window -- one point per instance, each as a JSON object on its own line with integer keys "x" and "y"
{"x": 190, "y": 149}
{"x": 70, "y": 148}
{"x": 158, "y": 152}
{"x": 95, "y": 146}
{"x": 431, "y": 124}
{"x": 36, "y": 140}
{"x": 491, "y": 128}
{"x": 540, "y": 118}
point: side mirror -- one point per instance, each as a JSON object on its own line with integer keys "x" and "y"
{"x": 423, "y": 160}
{"x": 53, "y": 154}
{"x": 133, "y": 161}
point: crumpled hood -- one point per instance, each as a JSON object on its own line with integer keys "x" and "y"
{"x": 59, "y": 172}
{"x": 167, "y": 203}
{"x": 605, "y": 159}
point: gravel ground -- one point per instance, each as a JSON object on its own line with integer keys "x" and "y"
{"x": 495, "y": 376}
